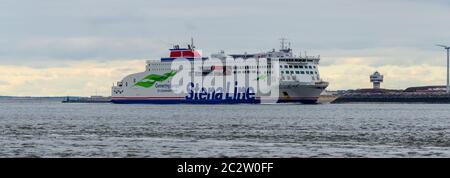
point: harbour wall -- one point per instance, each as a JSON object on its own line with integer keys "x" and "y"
{"x": 401, "y": 97}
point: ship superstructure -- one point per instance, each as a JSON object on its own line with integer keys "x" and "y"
{"x": 297, "y": 78}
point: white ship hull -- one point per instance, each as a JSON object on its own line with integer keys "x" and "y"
{"x": 301, "y": 94}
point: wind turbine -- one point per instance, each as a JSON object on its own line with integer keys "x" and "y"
{"x": 448, "y": 49}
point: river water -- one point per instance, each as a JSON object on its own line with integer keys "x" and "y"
{"x": 48, "y": 128}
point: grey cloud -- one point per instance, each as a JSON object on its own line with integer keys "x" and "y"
{"x": 144, "y": 29}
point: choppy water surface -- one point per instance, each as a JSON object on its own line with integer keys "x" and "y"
{"x": 45, "y": 128}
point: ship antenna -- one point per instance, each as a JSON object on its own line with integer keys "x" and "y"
{"x": 283, "y": 41}
{"x": 192, "y": 43}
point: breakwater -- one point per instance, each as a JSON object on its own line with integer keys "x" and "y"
{"x": 97, "y": 99}
{"x": 398, "y": 97}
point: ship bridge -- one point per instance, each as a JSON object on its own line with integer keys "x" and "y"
{"x": 189, "y": 53}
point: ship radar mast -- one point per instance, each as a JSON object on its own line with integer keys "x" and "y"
{"x": 285, "y": 45}
{"x": 192, "y": 44}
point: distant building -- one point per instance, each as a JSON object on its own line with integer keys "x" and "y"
{"x": 422, "y": 89}
{"x": 376, "y": 78}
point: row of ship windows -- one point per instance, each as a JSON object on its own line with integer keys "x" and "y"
{"x": 298, "y": 72}
{"x": 164, "y": 69}
{"x": 235, "y": 66}
{"x": 157, "y": 69}
{"x": 250, "y": 67}
{"x": 297, "y": 67}
{"x": 282, "y": 72}
{"x": 247, "y": 72}
{"x": 295, "y": 60}
{"x": 238, "y": 72}
{"x": 256, "y": 67}
{"x": 295, "y": 77}
{"x": 269, "y": 72}
{"x": 286, "y": 67}
{"x": 281, "y": 66}
{"x": 282, "y": 60}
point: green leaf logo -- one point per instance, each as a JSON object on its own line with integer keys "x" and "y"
{"x": 149, "y": 80}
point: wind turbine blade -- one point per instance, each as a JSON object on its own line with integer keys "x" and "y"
{"x": 442, "y": 46}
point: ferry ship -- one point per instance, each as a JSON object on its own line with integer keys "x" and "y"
{"x": 292, "y": 78}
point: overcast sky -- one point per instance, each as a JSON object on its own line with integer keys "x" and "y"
{"x": 77, "y": 47}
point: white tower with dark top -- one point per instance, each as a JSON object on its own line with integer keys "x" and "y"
{"x": 376, "y": 78}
